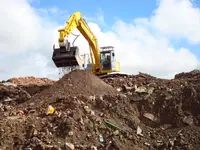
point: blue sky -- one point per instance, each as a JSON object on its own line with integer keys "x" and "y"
{"x": 112, "y": 9}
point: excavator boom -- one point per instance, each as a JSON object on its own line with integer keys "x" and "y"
{"x": 103, "y": 62}
{"x": 66, "y": 56}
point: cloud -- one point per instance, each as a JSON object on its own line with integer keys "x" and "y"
{"x": 22, "y": 29}
{"x": 27, "y": 36}
{"x": 23, "y": 36}
{"x": 139, "y": 50}
{"x": 178, "y": 19}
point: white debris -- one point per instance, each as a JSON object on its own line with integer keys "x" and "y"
{"x": 139, "y": 131}
{"x": 9, "y": 84}
{"x": 69, "y": 146}
{"x": 150, "y": 116}
{"x": 141, "y": 89}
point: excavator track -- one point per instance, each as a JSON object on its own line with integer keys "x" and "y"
{"x": 114, "y": 75}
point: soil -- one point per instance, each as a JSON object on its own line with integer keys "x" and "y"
{"x": 138, "y": 112}
{"x": 30, "y": 80}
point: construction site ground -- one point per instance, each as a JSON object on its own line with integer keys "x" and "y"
{"x": 135, "y": 112}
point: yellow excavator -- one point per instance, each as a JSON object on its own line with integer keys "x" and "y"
{"x": 102, "y": 58}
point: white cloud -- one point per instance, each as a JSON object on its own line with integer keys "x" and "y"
{"x": 138, "y": 48}
{"x": 22, "y": 29}
{"x": 178, "y": 19}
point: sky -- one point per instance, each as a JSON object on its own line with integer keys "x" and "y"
{"x": 157, "y": 37}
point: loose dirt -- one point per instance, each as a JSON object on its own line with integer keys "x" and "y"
{"x": 138, "y": 112}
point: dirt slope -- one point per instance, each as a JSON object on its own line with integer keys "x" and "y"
{"x": 147, "y": 114}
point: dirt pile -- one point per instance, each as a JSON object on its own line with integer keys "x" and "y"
{"x": 74, "y": 84}
{"x": 146, "y": 113}
{"x": 195, "y": 74}
{"x": 30, "y": 80}
{"x": 19, "y": 90}
{"x": 12, "y": 94}
{"x": 174, "y": 102}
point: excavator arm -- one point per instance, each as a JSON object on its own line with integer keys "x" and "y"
{"x": 76, "y": 21}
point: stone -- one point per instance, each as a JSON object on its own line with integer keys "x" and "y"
{"x": 188, "y": 120}
{"x": 70, "y": 133}
{"x": 139, "y": 131}
{"x": 69, "y": 146}
{"x": 116, "y": 132}
{"x": 150, "y": 117}
{"x": 141, "y": 89}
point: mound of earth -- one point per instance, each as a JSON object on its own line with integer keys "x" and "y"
{"x": 144, "y": 113}
{"x": 175, "y": 102}
{"x": 76, "y": 83}
{"x": 13, "y": 94}
{"x": 195, "y": 74}
{"x": 80, "y": 82}
{"x": 30, "y": 80}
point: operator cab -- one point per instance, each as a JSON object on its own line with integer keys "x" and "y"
{"x": 107, "y": 56}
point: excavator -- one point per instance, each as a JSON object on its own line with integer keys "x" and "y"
{"x": 103, "y": 60}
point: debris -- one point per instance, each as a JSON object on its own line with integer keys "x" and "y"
{"x": 13, "y": 117}
{"x": 69, "y": 146}
{"x": 139, "y": 131}
{"x": 71, "y": 133}
{"x": 101, "y": 139}
{"x": 9, "y": 84}
{"x": 188, "y": 120}
{"x": 147, "y": 144}
{"x": 8, "y": 99}
{"x": 150, "y": 117}
{"x": 92, "y": 114}
{"x": 111, "y": 125}
{"x": 141, "y": 89}
{"x": 50, "y": 110}
{"x": 116, "y": 132}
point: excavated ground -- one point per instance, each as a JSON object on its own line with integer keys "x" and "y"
{"x": 137, "y": 112}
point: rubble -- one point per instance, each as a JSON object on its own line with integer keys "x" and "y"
{"x": 133, "y": 112}
{"x": 29, "y": 81}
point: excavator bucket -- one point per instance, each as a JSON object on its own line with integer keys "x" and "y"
{"x": 66, "y": 56}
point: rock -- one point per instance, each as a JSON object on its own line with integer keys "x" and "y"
{"x": 139, "y": 131}
{"x": 116, "y": 132}
{"x": 188, "y": 120}
{"x": 8, "y": 99}
{"x": 9, "y": 84}
{"x": 94, "y": 147}
{"x": 36, "y": 141}
{"x": 147, "y": 144}
{"x": 88, "y": 110}
{"x": 7, "y": 108}
{"x": 27, "y": 148}
{"x": 150, "y": 90}
{"x": 56, "y": 148}
{"x": 70, "y": 133}
{"x": 35, "y": 132}
{"x": 150, "y": 117}
{"x": 69, "y": 146}
{"x": 13, "y": 117}
{"x": 141, "y": 89}
{"x": 119, "y": 89}
{"x": 127, "y": 88}
{"x": 137, "y": 148}
{"x": 171, "y": 142}
{"x": 91, "y": 98}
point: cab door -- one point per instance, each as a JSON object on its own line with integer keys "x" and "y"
{"x": 113, "y": 61}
